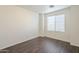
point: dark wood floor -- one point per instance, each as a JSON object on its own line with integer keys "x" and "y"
{"x": 42, "y": 45}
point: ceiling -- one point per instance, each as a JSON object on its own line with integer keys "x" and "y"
{"x": 43, "y": 8}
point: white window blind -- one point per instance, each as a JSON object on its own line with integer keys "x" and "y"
{"x": 56, "y": 23}
{"x": 60, "y": 23}
{"x": 51, "y": 23}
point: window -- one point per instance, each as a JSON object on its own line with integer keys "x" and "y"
{"x": 56, "y": 23}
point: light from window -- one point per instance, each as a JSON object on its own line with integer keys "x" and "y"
{"x": 56, "y": 23}
{"x": 60, "y": 23}
{"x": 51, "y": 23}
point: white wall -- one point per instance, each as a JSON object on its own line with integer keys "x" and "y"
{"x": 17, "y": 25}
{"x": 75, "y": 25}
{"x": 41, "y": 25}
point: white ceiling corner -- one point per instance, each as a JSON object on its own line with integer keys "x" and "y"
{"x": 43, "y": 8}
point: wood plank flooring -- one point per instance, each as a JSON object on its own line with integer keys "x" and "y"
{"x": 42, "y": 45}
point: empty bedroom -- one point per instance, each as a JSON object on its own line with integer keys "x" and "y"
{"x": 39, "y": 28}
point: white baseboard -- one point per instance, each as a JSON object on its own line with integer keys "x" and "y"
{"x": 19, "y": 42}
{"x": 74, "y": 44}
{"x": 42, "y": 35}
{"x": 57, "y": 38}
